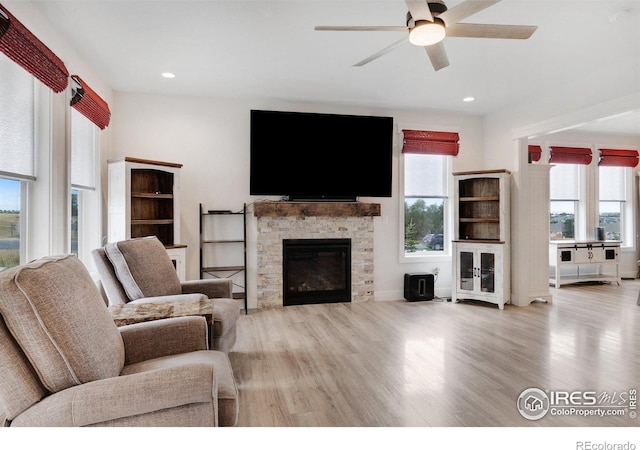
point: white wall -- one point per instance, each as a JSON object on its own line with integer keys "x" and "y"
{"x": 210, "y": 137}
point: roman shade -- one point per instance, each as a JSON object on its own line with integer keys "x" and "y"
{"x": 83, "y": 152}
{"x": 19, "y": 44}
{"x": 535, "y": 153}
{"x": 618, "y": 158}
{"x": 17, "y": 122}
{"x": 570, "y": 155}
{"x": 430, "y": 142}
{"x": 87, "y": 102}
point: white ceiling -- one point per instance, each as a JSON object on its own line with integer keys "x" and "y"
{"x": 264, "y": 49}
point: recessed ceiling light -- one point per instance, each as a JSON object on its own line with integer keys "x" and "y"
{"x": 468, "y": 99}
{"x": 169, "y": 75}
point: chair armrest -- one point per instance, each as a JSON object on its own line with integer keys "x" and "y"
{"x": 169, "y": 298}
{"x": 125, "y": 396}
{"x": 214, "y": 288}
{"x": 164, "y": 337}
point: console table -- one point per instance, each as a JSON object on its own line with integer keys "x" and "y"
{"x": 578, "y": 261}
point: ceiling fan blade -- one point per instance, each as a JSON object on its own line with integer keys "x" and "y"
{"x": 437, "y": 56}
{"x": 476, "y": 30}
{"x": 465, "y": 9}
{"x": 419, "y": 10}
{"x": 382, "y": 52}
{"x": 360, "y": 28}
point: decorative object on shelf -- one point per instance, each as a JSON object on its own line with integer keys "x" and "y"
{"x": 221, "y": 241}
{"x": 481, "y": 262}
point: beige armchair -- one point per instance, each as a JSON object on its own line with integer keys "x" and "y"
{"x": 140, "y": 271}
{"x": 63, "y": 362}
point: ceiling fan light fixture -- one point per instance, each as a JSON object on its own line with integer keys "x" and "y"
{"x": 427, "y": 33}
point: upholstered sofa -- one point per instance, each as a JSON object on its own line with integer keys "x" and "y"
{"x": 63, "y": 361}
{"x": 140, "y": 271}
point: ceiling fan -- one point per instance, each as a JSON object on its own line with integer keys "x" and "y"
{"x": 430, "y": 21}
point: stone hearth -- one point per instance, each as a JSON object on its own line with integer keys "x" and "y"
{"x": 313, "y": 220}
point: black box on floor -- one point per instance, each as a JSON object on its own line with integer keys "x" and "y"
{"x": 418, "y": 286}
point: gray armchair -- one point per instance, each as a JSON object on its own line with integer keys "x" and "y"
{"x": 63, "y": 362}
{"x": 140, "y": 271}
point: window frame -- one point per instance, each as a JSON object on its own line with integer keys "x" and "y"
{"x": 627, "y": 208}
{"x": 89, "y": 212}
{"x": 435, "y": 256}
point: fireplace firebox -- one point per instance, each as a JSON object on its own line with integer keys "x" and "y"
{"x": 316, "y": 271}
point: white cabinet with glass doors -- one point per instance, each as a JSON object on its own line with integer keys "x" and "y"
{"x": 481, "y": 252}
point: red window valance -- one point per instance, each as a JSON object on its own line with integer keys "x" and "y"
{"x": 570, "y": 155}
{"x": 28, "y": 51}
{"x": 619, "y": 158}
{"x": 430, "y": 142}
{"x": 535, "y": 153}
{"x": 88, "y": 103}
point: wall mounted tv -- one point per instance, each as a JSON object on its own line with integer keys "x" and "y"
{"x": 313, "y": 156}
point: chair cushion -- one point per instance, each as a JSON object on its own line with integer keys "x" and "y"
{"x": 55, "y": 312}
{"x": 143, "y": 267}
{"x": 19, "y": 385}
{"x": 227, "y": 388}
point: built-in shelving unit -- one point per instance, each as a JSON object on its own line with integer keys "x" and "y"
{"x": 481, "y": 242}
{"x": 223, "y": 248}
{"x": 144, "y": 200}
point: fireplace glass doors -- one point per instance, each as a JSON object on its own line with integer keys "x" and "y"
{"x": 316, "y": 271}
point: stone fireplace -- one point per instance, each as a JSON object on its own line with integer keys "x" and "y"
{"x": 316, "y": 271}
{"x": 307, "y": 221}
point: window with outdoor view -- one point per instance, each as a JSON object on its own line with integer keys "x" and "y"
{"x": 425, "y": 203}
{"x": 565, "y": 195}
{"x": 17, "y": 124}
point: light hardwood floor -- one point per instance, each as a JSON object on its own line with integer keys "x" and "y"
{"x": 422, "y": 364}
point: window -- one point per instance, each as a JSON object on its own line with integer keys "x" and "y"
{"x": 425, "y": 204}
{"x": 17, "y": 122}
{"x": 613, "y": 201}
{"x": 565, "y": 195}
{"x": 85, "y": 218}
{"x": 10, "y": 224}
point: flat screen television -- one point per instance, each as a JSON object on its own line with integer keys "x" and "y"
{"x": 314, "y": 156}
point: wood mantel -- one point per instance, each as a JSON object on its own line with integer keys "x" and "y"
{"x": 308, "y": 209}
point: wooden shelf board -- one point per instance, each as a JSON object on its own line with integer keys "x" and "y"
{"x": 146, "y": 161}
{"x": 310, "y": 209}
{"x": 151, "y": 221}
{"x": 151, "y": 195}
{"x": 479, "y": 220}
{"x": 480, "y": 199}
{"x": 222, "y": 268}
